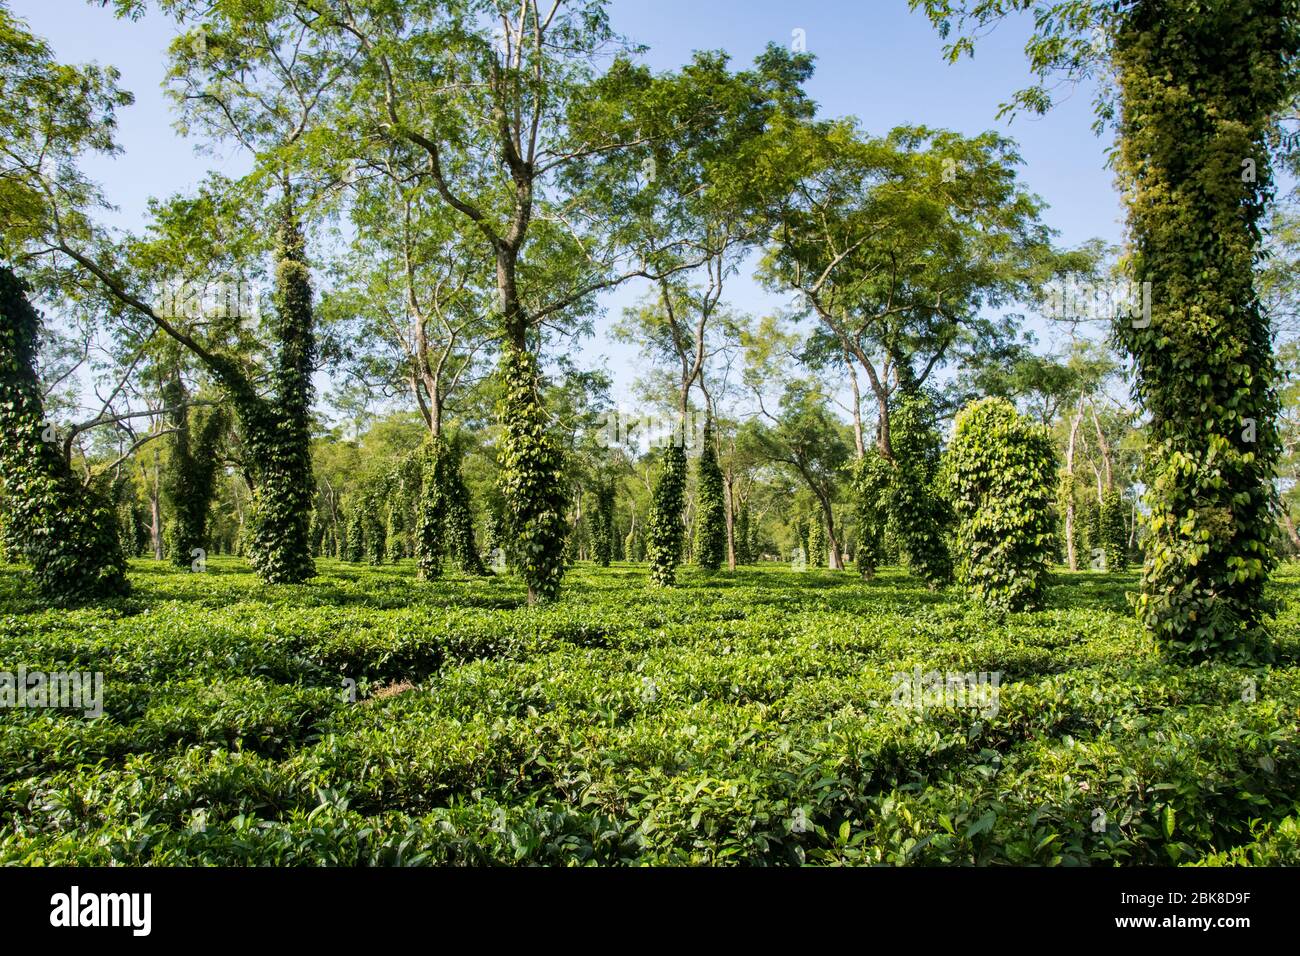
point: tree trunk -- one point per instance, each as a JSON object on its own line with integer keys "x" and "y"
{"x": 1072, "y": 557}
{"x": 67, "y": 532}
{"x": 155, "y": 514}
{"x": 731, "y": 519}
{"x": 859, "y": 442}
{"x": 279, "y": 432}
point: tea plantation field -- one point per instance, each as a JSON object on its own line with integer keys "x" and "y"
{"x": 747, "y": 718}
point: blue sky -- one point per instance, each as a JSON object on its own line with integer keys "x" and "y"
{"x": 876, "y": 60}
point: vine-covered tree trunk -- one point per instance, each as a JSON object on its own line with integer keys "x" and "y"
{"x": 665, "y": 533}
{"x": 816, "y": 541}
{"x": 1114, "y": 534}
{"x": 191, "y": 477}
{"x": 1003, "y": 468}
{"x": 431, "y": 512}
{"x": 1199, "y": 84}
{"x": 395, "y": 530}
{"x": 68, "y": 532}
{"x": 278, "y": 432}
{"x": 445, "y": 516}
{"x": 743, "y": 555}
{"x": 354, "y": 535}
{"x": 872, "y": 474}
{"x": 919, "y": 515}
{"x": 460, "y": 516}
{"x": 375, "y": 527}
{"x": 603, "y": 535}
{"x": 531, "y": 479}
{"x": 711, "y": 518}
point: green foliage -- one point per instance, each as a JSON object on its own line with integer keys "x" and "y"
{"x": 531, "y": 479}
{"x": 721, "y": 722}
{"x": 603, "y": 534}
{"x": 277, "y": 433}
{"x": 634, "y": 544}
{"x": 665, "y": 535}
{"x": 317, "y": 535}
{"x": 816, "y": 548}
{"x": 1112, "y": 531}
{"x": 135, "y": 529}
{"x": 395, "y": 531}
{"x": 189, "y": 482}
{"x": 354, "y": 535}
{"x": 374, "y": 525}
{"x": 1002, "y": 470}
{"x": 920, "y": 516}
{"x": 1090, "y": 526}
{"x": 872, "y": 482}
{"x": 710, "y": 506}
{"x": 1204, "y": 364}
{"x": 445, "y": 518}
{"x": 741, "y": 534}
{"x": 66, "y": 531}
{"x": 1065, "y": 487}
{"x": 431, "y": 514}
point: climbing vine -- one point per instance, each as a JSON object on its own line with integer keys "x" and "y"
{"x": 920, "y": 516}
{"x": 531, "y": 479}
{"x": 277, "y": 433}
{"x": 1199, "y": 86}
{"x": 602, "y": 523}
{"x": 1002, "y": 470}
{"x": 66, "y": 531}
{"x": 665, "y": 533}
{"x": 710, "y": 508}
{"x": 190, "y": 480}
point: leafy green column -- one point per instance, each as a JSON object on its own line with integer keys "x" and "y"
{"x": 460, "y": 516}
{"x": 816, "y": 540}
{"x": 190, "y": 480}
{"x": 279, "y": 432}
{"x": 603, "y": 533}
{"x": 395, "y": 531}
{"x": 920, "y": 515}
{"x": 711, "y": 515}
{"x": 1003, "y": 473}
{"x": 445, "y": 516}
{"x": 431, "y": 512}
{"x": 871, "y": 477}
{"x": 375, "y": 525}
{"x": 68, "y": 532}
{"x": 665, "y": 532}
{"x": 741, "y": 534}
{"x": 1114, "y": 536}
{"x": 354, "y": 534}
{"x": 1198, "y": 86}
{"x": 531, "y": 479}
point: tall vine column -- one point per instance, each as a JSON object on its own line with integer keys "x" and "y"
{"x": 1198, "y": 86}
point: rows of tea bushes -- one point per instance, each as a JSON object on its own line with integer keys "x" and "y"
{"x": 754, "y": 718}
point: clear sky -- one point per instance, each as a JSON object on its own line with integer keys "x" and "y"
{"x": 876, "y": 60}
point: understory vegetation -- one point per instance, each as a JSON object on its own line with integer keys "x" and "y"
{"x": 750, "y": 718}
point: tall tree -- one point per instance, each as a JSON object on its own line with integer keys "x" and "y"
{"x": 235, "y": 76}
{"x": 67, "y": 532}
{"x": 1194, "y": 161}
{"x": 51, "y": 114}
{"x": 191, "y": 472}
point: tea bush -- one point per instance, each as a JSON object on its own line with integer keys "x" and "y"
{"x": 742, "y": 718}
